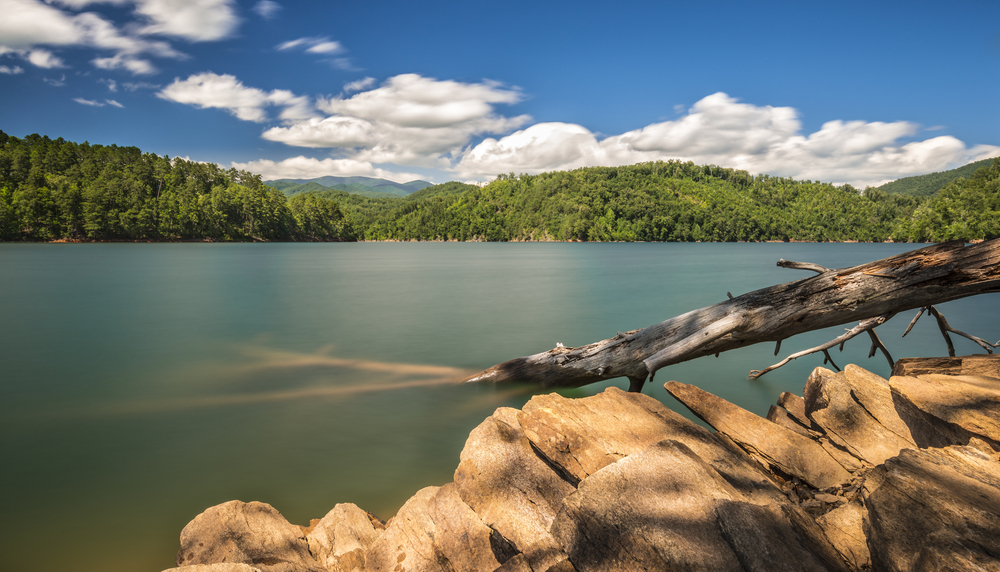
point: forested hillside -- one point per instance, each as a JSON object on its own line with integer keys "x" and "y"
{"x": 55, "y": 189}
{"x": 927, "y": 185}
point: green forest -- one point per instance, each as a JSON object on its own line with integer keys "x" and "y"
{"x": 51, "y": 189}
{"x": 59, "y": 190}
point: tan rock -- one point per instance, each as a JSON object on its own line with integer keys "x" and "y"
{"x": 339, "y": 540}
{"x": 833, "y": 405}
{"x": 933, "y": 508}
{"x": 987, "y": 365}
{"x": 772, "y": 445}
{"x": 434, "y": 531}
{"x": 844, "y": 527}
{"x": 875, "y": 395}
{"x": 249, "y": 533}
{"x": 580, "y": 436}
{"x": 664, "y": 509}
{"x": 966, "y": 404}
{"x": 226, "y": 567}
{"x": 795, "y": 406}
{"x": 510, "y": 487}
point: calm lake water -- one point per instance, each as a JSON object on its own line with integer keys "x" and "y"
{"x": 143, "y": 383}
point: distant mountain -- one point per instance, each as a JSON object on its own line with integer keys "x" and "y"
{"x": 365, "y": 186}
{"x": 927, "y": 185}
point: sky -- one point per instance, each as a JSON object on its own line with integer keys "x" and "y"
{"x": 842, "y": 92}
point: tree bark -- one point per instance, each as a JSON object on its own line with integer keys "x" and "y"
{"x": 870, "y": 294}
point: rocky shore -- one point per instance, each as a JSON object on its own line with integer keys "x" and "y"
{"x": 858, "y": 473}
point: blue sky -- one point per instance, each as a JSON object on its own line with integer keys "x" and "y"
{"x": 846, "y": 92}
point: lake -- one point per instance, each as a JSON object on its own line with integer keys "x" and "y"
{"x": 142, "y": 383}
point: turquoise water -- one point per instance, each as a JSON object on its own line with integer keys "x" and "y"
{"x": 143, "y": 383}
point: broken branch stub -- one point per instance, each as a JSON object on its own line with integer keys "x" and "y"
{"x": 868, "y": 294}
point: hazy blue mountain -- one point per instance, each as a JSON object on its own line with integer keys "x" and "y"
{"x": 366, "y": 186}
{"x": 927, "y": 185}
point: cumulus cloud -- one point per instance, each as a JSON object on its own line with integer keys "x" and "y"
{"x": 196, "y": 20}
{"x": 207, "y": 90}
{"x": 722, "y": 131}
{"x": 309, "y": 168}
{"x": 408, "y": 120}
{"x": 266, "y": 9}
{"x": 11, "y": 70}
{"x": 28, "y": 24}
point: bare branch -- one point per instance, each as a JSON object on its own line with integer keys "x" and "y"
{"x": 945, "y": 328}
{"x": 802, "y": 266}
{"x": 878, "y": 345}
{"x": 863, "y": 326}
{"x": 913, "y": 321}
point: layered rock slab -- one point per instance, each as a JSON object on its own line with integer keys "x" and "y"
{"x": 935, "y": 509}
{"x": 665, "y": 508}
{"x": 789, "y": 452}
{"x": 509, "y": 486}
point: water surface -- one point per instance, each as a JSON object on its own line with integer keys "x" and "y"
{"x": 143, "y": 383}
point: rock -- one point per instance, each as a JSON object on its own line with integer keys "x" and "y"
{"x": 966, "y": 405}
{"x": 843, "y": 526}
{"x": 833, "y": 405}
{"x": 664, "y": 508}
{"x": 796, "y": 408}
{"x": 581, "y": 436}
{"x": 249, "y": 533}
{"x": 875, "y": 395}
{"x": 226, "y": 567}
{"x": 339, "y": 540}
{"x": 987, "y": 365}
{"x": 436, "y": 531}
{"x": 772, "y": 445}
{"x": 934, "y": 509}
{"x": 780, "y": 416}
{"x": 543, "y": 557}
{"x": 507, "y": 484}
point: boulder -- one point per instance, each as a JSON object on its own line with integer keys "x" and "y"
{"x": 580, "y": 436}
{"x": 772, "y": 445}
{"x": 341, "y": 538}
{"x": 933, "y": 509}
{"x": 844, "y": 527}
{"x": 832, "y": 402}
{"x": 436, "y": 531}
{"x": 965, "y": 405}
{"x": 665, "y": 508}
{"x": 511, "y": 488}
{"x": 251, "y": 533}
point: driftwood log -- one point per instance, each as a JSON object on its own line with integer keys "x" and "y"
{"x": 869, "y": 294}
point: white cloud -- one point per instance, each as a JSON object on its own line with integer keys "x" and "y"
{"x": 112, "y": 84}
{"x": 137, "y": 66}
{"x": 11, "y": 70}
{"x": 89, "y": 102}
{"x": 309, "y": 168}
{"x": 409, "y": 120}
{"x": 326, "y": 48}
{"x": 306, "y": 41}
{"x": 359, "y": 85}
{"x": 28, "y": 24}
{"x": 266, "y": 9}
{"x": 55, "y": 82}
{"x": 195, "y": 20}
{"x": 721, "y": 131}
{"x": 224, "y": 91}
{"x": 113, "y": 103}
{"x": 132, "y": 86}
{"x": 44, "y": 59}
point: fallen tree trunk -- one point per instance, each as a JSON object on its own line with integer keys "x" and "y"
{"x": 870, "y": 294}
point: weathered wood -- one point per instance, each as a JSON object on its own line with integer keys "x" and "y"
{"x": 870, "y": 293}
